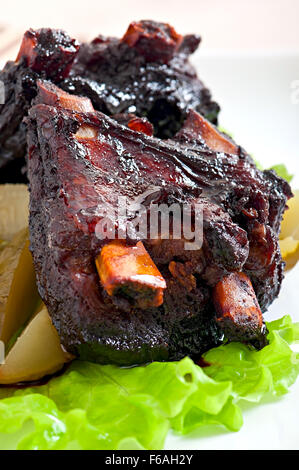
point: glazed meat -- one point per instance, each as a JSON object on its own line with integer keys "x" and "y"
{"x": 138, "y": 299}
{"x": 147, "y": 73}
{"x": 46, "y": 53}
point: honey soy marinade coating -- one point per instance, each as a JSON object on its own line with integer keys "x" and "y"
{"x": 118, "y": 118}
{"x": 138, "y": 299}
{"x": 147, "y": 73}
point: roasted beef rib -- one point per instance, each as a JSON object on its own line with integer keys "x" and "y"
{"x": 46, "y": 53}
{"x": 147, "y": 73}
{"x": 141, "y": 299}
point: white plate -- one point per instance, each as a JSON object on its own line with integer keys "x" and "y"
{"x": 256, "y": 98}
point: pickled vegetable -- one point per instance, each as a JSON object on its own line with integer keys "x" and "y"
{"x": 36, "y": 353}
{"x": 18, "y": 292}
{"x": 14, "y": 202}
{"x": 289, "y": 236}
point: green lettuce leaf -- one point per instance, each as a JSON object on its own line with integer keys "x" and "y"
{"x": 282, "y": 171}
{"x": 107, "y": 407}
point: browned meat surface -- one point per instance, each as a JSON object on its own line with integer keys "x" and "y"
{"x": 144, "y": 297}
{"x": 45, "y": 53}
{"x": 80, "y": 163}
{"x": 147, "y": 73}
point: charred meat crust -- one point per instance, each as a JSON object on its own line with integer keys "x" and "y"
{"x": 44, "y": 53}
{"x": 147, "y": 72}
{"x": 70, "y": 176}
{"x": 80, "y": 160}
{"x": 19, "y": 85}
{"x": 48, "y": 52}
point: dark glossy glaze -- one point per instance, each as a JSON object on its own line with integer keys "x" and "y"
{"x": 147, "y": 72}
{"x": 45, "y": 53}
{"x": 71, "y": 176}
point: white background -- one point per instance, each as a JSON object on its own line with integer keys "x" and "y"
{"x": 224, "y": 24}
